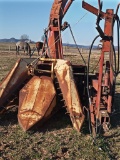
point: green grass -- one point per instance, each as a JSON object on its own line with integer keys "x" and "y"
{"x": 56, "y": 139}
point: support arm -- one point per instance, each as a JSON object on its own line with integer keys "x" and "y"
{"x": 59, "y": 9}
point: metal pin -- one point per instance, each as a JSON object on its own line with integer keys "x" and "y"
{"x": 56, "y": 82}
{"x": 58, "y": 88}
{"x": 67, "y": 113}
{"x": 60, "y": 94}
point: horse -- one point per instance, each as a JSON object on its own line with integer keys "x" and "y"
{"x": 39, "y": 46}
{"x": 23, "y": 45}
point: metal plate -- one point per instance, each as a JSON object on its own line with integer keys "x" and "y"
{"x": 37, "y": 99}
{"x": 63, "y": 70}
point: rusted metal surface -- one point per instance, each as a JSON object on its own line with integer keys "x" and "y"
{"x": 106, "y": 48}
{"x": 103, "y": 85}
{"x": 92, "y": 9}
{"x": 37, "y": 97}
{"x": 36, "y": 101}
{"x": 58, "y": 11}
{"x": 63, "y": 71}
{"x": 14, "y": 79}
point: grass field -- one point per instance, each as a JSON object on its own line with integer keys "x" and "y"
{"x": 56, "y": 139}
{"x": 5, "y": 46}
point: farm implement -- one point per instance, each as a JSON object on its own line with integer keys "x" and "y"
{"x": 43, "y": 85}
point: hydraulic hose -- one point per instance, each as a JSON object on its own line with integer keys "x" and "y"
{"x": 88, "y": 81}
{"x": 118, "y": 26}
{"x": 88, "y": 68}
{"x": 116, "y": 68}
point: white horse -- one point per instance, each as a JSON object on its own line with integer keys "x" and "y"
{"x": 23, "y": 46}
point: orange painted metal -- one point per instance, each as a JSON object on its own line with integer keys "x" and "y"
{"x": 64, "y": 74}
{"x": 37, "y": 96}
{"x": 14, "y": 79}
{"x": 108, "y": 30}
{"x": 36, "y": 101}
{"x": 92, "y": 9}
{"x": 58, "y": 10}
{"x": 104, "y": 84}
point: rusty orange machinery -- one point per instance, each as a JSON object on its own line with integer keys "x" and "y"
{"x": 103, "y": 86}
{"x": 33, "y": 81}
{"x": 38, "y": 94}
{"x": 53, "y": 32}
{"x": 38, "y": 106}
{"x": 40, "y": 84}
{"x": 37, "y": 82}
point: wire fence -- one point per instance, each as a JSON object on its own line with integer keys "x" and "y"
{"x": 9, "y": 46}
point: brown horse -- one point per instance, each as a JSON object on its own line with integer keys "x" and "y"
{"x": 39, "y": 46}
{"x": 23, "y": 45}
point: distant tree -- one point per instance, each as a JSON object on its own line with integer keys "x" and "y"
{"x": 24, "y": 37}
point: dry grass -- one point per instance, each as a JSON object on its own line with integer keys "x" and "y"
{"x": 56, "y": 140}
{"x": 10, "y": 46}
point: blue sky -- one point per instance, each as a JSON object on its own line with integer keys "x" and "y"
{"x": 18, "y": 17}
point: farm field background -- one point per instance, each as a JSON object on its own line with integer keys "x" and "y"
{"x": 56, "y": 139}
